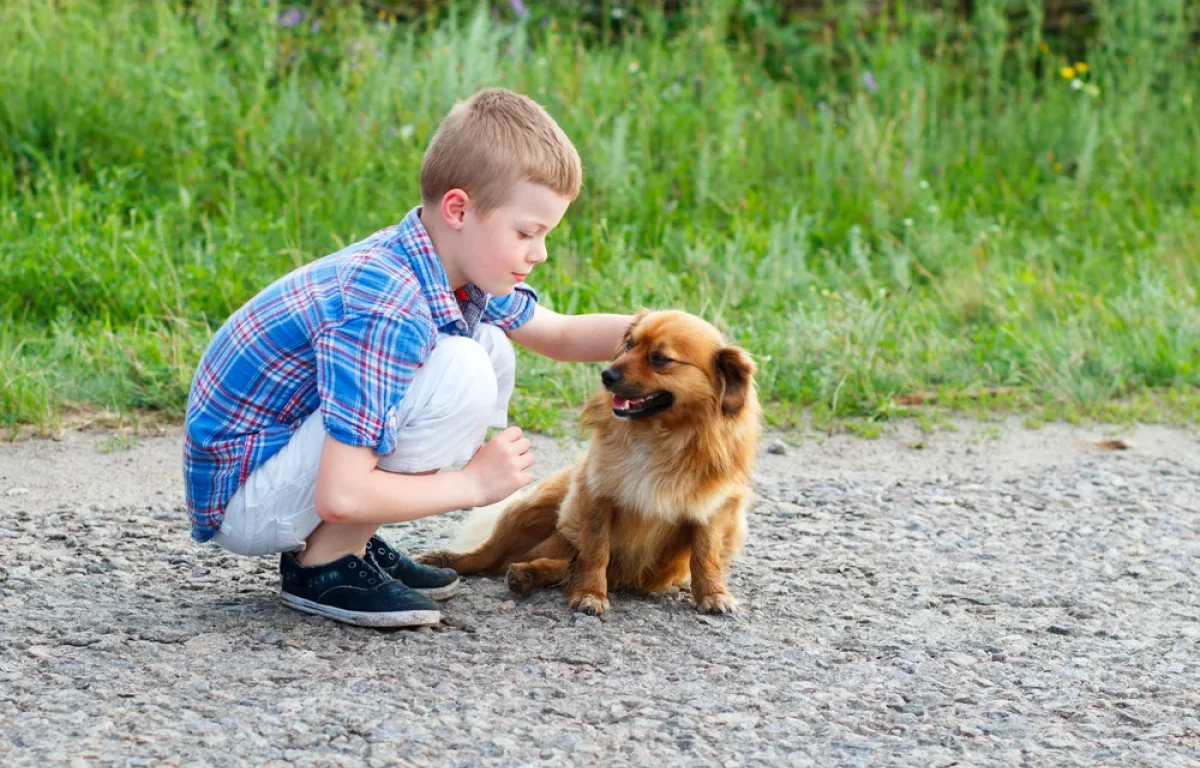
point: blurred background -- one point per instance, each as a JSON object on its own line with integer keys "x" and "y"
{"x": 900, "y": 208}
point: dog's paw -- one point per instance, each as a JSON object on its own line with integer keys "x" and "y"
{"x": 717, "y": 602}
{"x": 520, "y": 579}
{"x": 592, "y": 605}
{"x": 438, "y": 559}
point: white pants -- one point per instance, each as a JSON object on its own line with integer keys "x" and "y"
{"x": 462, "y": 389}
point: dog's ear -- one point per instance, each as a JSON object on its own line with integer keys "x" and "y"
{"x": 628, "y": 335}
{"x": 735, "y": 369}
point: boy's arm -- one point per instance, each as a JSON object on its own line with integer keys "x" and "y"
{"x": 351, "y": 489}
{"x": 572, "y": 338}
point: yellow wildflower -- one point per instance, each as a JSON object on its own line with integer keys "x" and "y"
{"x": 1068, "y": 73}
{"x": 1081, "y": 67}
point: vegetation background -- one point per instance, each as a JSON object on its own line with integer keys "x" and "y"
{"x": 898, "y": 207}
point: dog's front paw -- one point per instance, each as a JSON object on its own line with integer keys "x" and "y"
{"x": 717, "y": 602}
{"x": 592, "y": 605}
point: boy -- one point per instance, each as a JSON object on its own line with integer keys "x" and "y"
{"x": 326, "y": 405}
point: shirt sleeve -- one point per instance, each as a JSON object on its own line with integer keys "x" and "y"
{"x": 512, "y": 311}
{"x": 365, "y": 365}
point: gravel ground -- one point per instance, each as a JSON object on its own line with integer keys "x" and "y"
{"x": 999, "y": 597}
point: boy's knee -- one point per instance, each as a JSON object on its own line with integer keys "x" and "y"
{"x": 500, "y": 351}
{"x": 468, "y": 381}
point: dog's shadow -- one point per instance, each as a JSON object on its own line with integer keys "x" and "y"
{"x": 675, "y": 603}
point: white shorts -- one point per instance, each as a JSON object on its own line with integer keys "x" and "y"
{"x": 463, "y": 388}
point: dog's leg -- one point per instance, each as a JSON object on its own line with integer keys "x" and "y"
{"x": 524, "y": 578}
{"x": 587, "y": 588}
{"x": 548, "y": 566}
{"x": 708, "y": 579}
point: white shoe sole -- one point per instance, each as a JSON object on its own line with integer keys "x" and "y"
{"x": 440, "y": 593}
{"x": 365, "y": 619}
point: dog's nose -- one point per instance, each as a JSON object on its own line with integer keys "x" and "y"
{"x": 609, "y": 377}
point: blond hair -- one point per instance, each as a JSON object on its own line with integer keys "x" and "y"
{"x": 491, "y": 141}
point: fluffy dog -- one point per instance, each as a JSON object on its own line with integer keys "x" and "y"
{"x": 662, "y": 492}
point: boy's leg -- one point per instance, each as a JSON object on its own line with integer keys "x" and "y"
{"x": 442, "y": 420}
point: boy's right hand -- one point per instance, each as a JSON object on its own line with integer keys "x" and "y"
{"x": 501, "y": 467}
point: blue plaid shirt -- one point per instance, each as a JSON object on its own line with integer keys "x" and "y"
{"x": 345, "y": 334}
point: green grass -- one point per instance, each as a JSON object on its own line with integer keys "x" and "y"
{"x": 974, "y": 222}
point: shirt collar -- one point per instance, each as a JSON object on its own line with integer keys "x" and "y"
{"x": 416, "y": 248}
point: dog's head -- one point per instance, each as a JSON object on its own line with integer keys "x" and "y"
{"x": 672, "y": 365}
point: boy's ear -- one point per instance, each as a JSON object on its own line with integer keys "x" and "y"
{"x": 735, "y": 370}
{"x": 454, "y": 208}
{"x": 628, "y": 335}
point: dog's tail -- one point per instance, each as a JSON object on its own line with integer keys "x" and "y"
{"x": 478, "y": 526}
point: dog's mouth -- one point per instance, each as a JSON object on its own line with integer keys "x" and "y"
{"x": 641, "y": 407}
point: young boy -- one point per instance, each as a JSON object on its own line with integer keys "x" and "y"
{"x": 326, "y": 405}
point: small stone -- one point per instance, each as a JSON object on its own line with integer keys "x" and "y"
{"x": 587, "y": 622}
{"x": 777, "y": 447}
{"x": 387, "y": 731}
{"x": 17, "y": 491}
{"x": 273, "y": 638}
{"x": 460, "y": 623}
{"x": 507, "y": 605}
{"x": 1054, "y": 629}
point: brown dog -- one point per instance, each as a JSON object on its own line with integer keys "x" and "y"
{"x": 661, "y": 493}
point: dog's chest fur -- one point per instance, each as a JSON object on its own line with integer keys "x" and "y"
{"x": 638, "y": 479}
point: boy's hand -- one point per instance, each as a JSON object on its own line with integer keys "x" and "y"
{"x": 500, "y": 467}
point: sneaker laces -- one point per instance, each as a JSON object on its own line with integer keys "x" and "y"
{"x": 372, "y": 559}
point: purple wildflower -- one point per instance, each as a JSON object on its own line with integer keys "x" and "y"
{"x": 290, "y": 17}
{"x": 869, "y": 81}
{"x": 519, "y": 8}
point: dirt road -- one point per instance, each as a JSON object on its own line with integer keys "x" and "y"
{"x": 1000, "y": 597}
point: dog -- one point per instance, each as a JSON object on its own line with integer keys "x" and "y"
{"x": 660, "y": 496}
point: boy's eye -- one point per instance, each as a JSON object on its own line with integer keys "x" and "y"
{"x": 525, "y": 235}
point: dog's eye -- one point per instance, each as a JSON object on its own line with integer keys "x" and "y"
{"x": 659, "y": 360}
{"x": 628, "y": 344}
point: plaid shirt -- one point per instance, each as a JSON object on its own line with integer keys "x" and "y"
{"x": 345, "y": 334}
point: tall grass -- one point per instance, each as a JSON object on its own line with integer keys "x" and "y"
{"x": 918, "y": 204}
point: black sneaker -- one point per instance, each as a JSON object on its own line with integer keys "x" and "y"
{"x": 435, "y": 583}
{"x": 352, "y": 590}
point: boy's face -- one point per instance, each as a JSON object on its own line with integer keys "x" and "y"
{"x": 502, "y": 248}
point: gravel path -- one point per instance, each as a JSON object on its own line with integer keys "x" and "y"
{"x": 1000, "y": 597}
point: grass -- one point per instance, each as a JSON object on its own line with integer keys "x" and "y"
{"x": 916, "y": 206}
